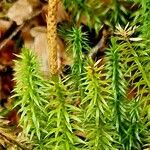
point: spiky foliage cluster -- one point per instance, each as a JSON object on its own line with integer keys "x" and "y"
{"x": 127, "y": 63}
{"x": 136, "y": 133}
{"x": 77, "y": 42}
{"x": 137, "y": 63}
{"x": 46, "y": 109}
{"x": 118, "y": 85}
{"x": 63, "y": 119}
{"x": 31, "y": 92}
{"x": 95, "y": 93}
{"x": 145, "y": 28}
{"x": 142, "y": 20}
{"x": 96, "y": 109}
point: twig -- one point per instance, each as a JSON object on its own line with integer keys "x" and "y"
{"x": 101, "y": 45}
{"x": 2, "y": 45}
{"x": 11, "y": 36}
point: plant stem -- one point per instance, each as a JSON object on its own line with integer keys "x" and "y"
{"x": 13, "y": 141}
{"x": 52, "y": 35}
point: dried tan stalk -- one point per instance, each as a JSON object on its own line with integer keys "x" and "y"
{"x": 52, "y": 35}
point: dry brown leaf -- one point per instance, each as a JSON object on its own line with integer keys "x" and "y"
{"x": 20, "y": 11}
{"x": 25, "y": 32}
{"x": 26, "y": 36}
{"x": 34, "y": 3}
{"x": 40, "y": 47}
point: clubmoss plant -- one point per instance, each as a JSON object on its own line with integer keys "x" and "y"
{"x": 31, "y": 93}
{"x": 63, "y": 119}
{"x": 118, "y": 85}
{"x": 133, "y": 58}
{"x": 136, "y": 55}
{"x": 96, "y": 109}
{"x": 77, "y": 42}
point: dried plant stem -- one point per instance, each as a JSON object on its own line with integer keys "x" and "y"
{"x": 4, "y": 43}
{"x": 12, "y": 140}
{"x": 52, "y": 35}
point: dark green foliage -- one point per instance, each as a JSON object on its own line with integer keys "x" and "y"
{"x": 133, "y": 58}
{"x": 118, "y": 85}
{"x": 137, "y": 130}
{"x": 118, "y": 13}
